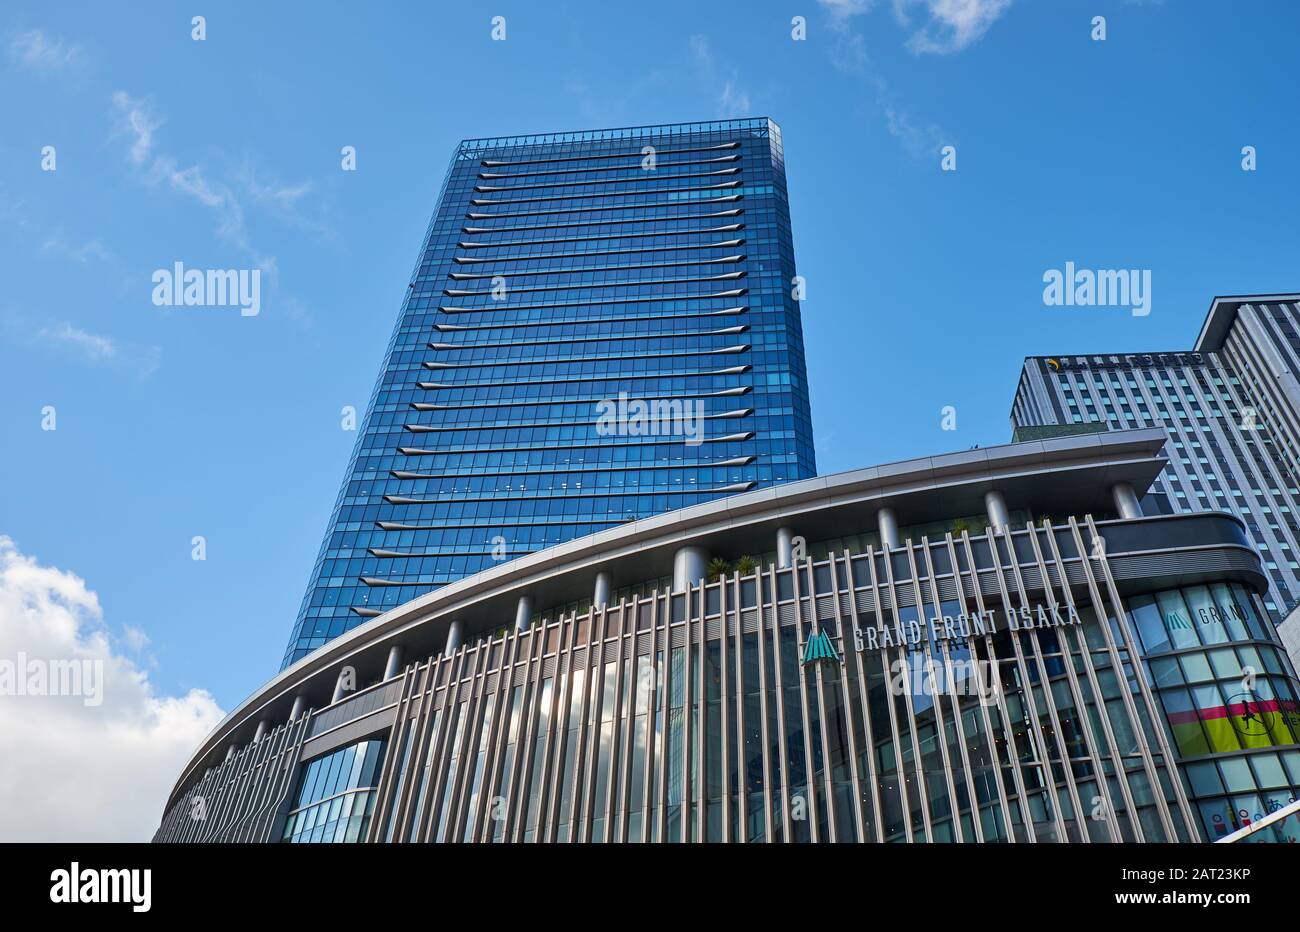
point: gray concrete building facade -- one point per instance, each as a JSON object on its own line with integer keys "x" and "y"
{"x": 1231, "y": 405}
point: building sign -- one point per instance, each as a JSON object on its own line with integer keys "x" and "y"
{"x": 938, "y": 629}
{"x": 1210, "y": 614}
{"x": 819, "y": 647}
{"x": 1126, "y": 361}
{"x": 942, "y": 628}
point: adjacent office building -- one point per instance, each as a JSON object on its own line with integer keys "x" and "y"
{"x": 1231, "y": 404}
{"x": 601, "y": 326}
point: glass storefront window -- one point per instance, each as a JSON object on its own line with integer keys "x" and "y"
{"x": 1204, "y": 779}
{"x": 1227, "y": 703}
{"x": 1268, "y": 770}
{"x": 1166, "y": 672}
{"x": 1225, "y": 664}
{"x": 1177, "y": 619}
{"x": 1206, "y": 615}
{"x": 1150, "y": 628}
{"x": 1237, "y": 775}
{"x": 1196, "y": 667}
{"x": 336, "y": 795}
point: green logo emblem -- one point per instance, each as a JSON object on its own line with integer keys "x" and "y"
{"x": 819, "y": 647}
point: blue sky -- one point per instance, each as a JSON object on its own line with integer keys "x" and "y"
{"x": 924, "y": 286}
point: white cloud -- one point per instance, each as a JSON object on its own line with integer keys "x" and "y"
{"x": 849, "y": 52}
{"x": 849, "y": 49}
{"x": 282, "y": 195}
{"x": 953, "y": 24}
{"x": 34, "y": 49}
{"x": 700, "y": 49}
{"x": 843, "y": 10}
{"x": 13, "y": 214}
{"x": 919, "y": 140}
{"x": 849, "y": 55}
{"x": 81, "y": 252}
{"x": 73, "y": 771}
{"x": 733, "y": 100}
{"x": 192, "y": 183}
{"x": 91, "y": 345}
{"x": 136, "y": 120}
{"x": 297, "y": 312}
{"x": 283, "y": 201}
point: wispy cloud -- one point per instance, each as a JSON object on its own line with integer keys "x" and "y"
{"x": 276, "y": 193}
{"x": 948, "y": 25}
{"x": 849, "y": 52}
{"x": 13, "y": 212}
{"x": 843, "y": 10}
{"x": 224, "y": 192}
{"x": 848, "y": 48}
{"x": 142, "y": 360}
{"x": 92, "y": 348}
{"x": 952, "y": 25}
{"x": 733, "y": 100}
{"x": 135, "y": 639}
{"x": 919, "y": 138}
{"x": 193, "y": 183}
{"x": 136, "y": 121}
{"x": 82, "y": 253}
{"x": 35, "y": 50}
{"x": 90, "y": 345}
{"x": 286, "y": 202}
{"x": 700, "y": 49}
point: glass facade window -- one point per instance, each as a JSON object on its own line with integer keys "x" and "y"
{"x": 336, "y": 795}
{"x": 1228, "y": 692}
{"x": 1236, "y": 792}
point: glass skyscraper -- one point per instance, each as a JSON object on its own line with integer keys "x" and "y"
{"x": 602, "y": 326}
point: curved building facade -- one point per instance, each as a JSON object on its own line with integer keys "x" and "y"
{"x": 988, "y": 646}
